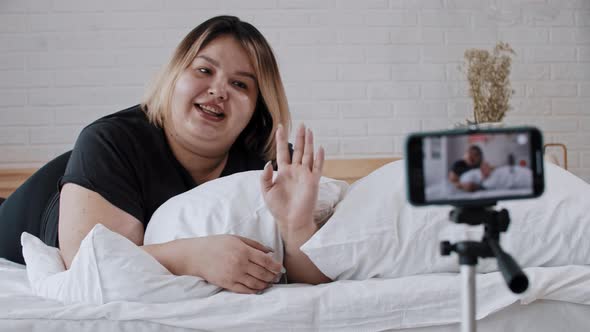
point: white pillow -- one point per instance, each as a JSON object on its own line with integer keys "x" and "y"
{"x": 374, "y": 232}
{"x": 108, "y": 267}
{"x": 232, "y": 205}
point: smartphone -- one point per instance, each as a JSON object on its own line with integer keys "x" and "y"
{"x": 474, "y": 166}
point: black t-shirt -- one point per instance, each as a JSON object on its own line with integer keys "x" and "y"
{"x": 460, "y": 167}
{"x": 127, "y": 160}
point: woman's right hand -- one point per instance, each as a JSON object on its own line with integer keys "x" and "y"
{"x": 232, "y": 262}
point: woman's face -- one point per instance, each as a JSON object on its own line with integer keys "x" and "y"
{"x": 214, "y": 98}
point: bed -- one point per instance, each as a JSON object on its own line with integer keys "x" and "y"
{"x": 558, "y": 299}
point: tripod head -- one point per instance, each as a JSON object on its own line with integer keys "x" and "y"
{"x": 495, "y": 222}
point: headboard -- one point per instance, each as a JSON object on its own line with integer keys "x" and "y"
{"x": 348, "y": 170}
{"x": 351, "y": 170}
{"x": 10, "y": 179}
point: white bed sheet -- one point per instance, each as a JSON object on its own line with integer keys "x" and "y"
{"x": 539, "y": 316}
{"x": 372, "y": 305}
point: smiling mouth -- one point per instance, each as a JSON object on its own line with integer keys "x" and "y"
{"x": 210, "y": 111}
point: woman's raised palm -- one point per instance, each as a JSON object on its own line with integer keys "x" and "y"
{"x": 292, "y": 195}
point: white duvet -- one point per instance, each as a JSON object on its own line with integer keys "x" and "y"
{"x": 370, "y": 305}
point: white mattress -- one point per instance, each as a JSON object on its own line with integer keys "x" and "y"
{"x": 419, "y": 303}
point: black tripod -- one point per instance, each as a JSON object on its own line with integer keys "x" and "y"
{"x": 494, "y": 223}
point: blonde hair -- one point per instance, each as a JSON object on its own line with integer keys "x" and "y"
{"x": 271, "y": 106}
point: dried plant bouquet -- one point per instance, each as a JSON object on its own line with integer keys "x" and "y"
{"x": 489, "y": 84}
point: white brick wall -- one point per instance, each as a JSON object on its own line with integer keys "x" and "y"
{"x": 361, "y": 73}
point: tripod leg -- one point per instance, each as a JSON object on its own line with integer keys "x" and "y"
{"x": 468, "y": 298}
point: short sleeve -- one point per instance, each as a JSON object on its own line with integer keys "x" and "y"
{"x": 102, "y": 161}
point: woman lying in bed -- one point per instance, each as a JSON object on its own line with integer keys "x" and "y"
{"x": 217, "y": 108}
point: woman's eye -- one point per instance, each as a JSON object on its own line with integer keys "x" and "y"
{"x": 204, "y": 70}
{"x": 240, "y": 85}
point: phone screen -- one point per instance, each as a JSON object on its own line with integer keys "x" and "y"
{"x": 477, "y": 166}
